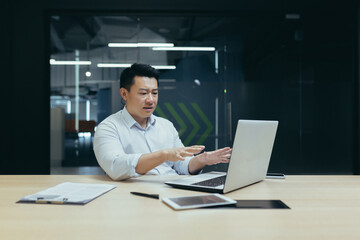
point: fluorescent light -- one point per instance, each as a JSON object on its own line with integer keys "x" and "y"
{"x": 163, "y": 67}
{"x": 140, "y": 45}
{"x": 210, "y": 49}
{"x": 122, "y": 45}
{"x": 68, "y": 107}
{"x": 125, "y": 65}
{"x": 155, "y": 44}
{"x": 54, "y": 62}
{"x": 114, "y": 65}
{"x": 216, "y": 62}
{"x": 87, "y": 110}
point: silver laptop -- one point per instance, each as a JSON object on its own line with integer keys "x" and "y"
{"x": 249, "y": 160}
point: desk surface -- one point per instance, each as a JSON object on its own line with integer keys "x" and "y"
{"x": 323, "y": 207}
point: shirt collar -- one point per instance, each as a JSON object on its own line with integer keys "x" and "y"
{"x": 152, "y": 120}
{"x": 130, "y": 121}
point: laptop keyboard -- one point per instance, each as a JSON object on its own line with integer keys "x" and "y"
{"x": 214, "y": 182}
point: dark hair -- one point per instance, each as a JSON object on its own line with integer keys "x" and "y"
{"x": 137, "y": 69}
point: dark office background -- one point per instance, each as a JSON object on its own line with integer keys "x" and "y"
{"x": 305, "y": 74}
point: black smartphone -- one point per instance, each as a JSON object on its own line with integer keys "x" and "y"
{"x": 275, "y": 175}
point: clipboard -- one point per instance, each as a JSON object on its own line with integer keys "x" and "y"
{"x": 68, "y": 193}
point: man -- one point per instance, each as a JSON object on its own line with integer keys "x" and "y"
{"x": 133, "y": 141}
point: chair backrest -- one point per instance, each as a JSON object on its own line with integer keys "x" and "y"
{"x": 84, "y": 126}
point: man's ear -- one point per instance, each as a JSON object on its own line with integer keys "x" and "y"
{"x": 124, "y": 93}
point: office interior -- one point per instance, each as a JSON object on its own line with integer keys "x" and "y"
{"x": 296, "y": 62}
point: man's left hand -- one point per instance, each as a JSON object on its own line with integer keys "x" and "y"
{"x": 214, "y": 157}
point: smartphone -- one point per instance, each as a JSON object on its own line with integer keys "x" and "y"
{"x": 275, "y": 176}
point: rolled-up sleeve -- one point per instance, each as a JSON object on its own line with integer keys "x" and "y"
{"x": 182, "y": 167}
{"x": 110, "y": 154}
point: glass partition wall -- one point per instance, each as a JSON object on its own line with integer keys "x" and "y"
{"x": 88, "y": 55}
{"x": 214, "y": 70}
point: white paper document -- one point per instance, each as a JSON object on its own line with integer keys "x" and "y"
{"x": 69, "y": 193}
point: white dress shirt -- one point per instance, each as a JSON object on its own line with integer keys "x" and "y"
{"x": 120, "y": 141}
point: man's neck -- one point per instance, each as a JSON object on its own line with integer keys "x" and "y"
{"x": 142, "y": 121}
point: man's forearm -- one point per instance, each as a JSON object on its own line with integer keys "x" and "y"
{"x": 195, "y": 164}
{"x": 148, "y": 161}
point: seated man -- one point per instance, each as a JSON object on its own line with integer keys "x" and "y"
{"x": 133, "y": 141}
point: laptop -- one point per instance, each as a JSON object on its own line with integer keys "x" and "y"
{"x": 248, "y": 164}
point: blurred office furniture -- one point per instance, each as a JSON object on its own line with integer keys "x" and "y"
{"x": 116, "y": 99}
{"x": 78, "y": 143}
{"x": 57, "y": 136}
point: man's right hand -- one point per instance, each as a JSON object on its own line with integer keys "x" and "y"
{"x": 148, "y": 161}
{"x": 179, "y": 154}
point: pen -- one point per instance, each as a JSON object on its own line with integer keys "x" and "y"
{"x": 155, "y": 196}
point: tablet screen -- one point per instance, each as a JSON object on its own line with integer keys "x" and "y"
{"x": 198, "y": 200}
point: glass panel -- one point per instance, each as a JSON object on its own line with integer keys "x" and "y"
{"x": 263, "y": 66}
{"x": 191, "y": 85}
{"x": 285, "y": 67}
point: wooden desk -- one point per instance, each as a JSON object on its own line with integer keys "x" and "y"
{"x": 323, "y": 207}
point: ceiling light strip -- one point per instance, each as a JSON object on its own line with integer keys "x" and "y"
{"x": 130, "y": 45}
{"x": 125, "y": 65}
{"x": 208, "y": 49}
{"x": 163, "y": 67}
{"x": 113, "y": 65}
{"x": 54, "y": 62}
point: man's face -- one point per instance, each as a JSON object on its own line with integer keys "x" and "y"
{"x": 142, "y": 98}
